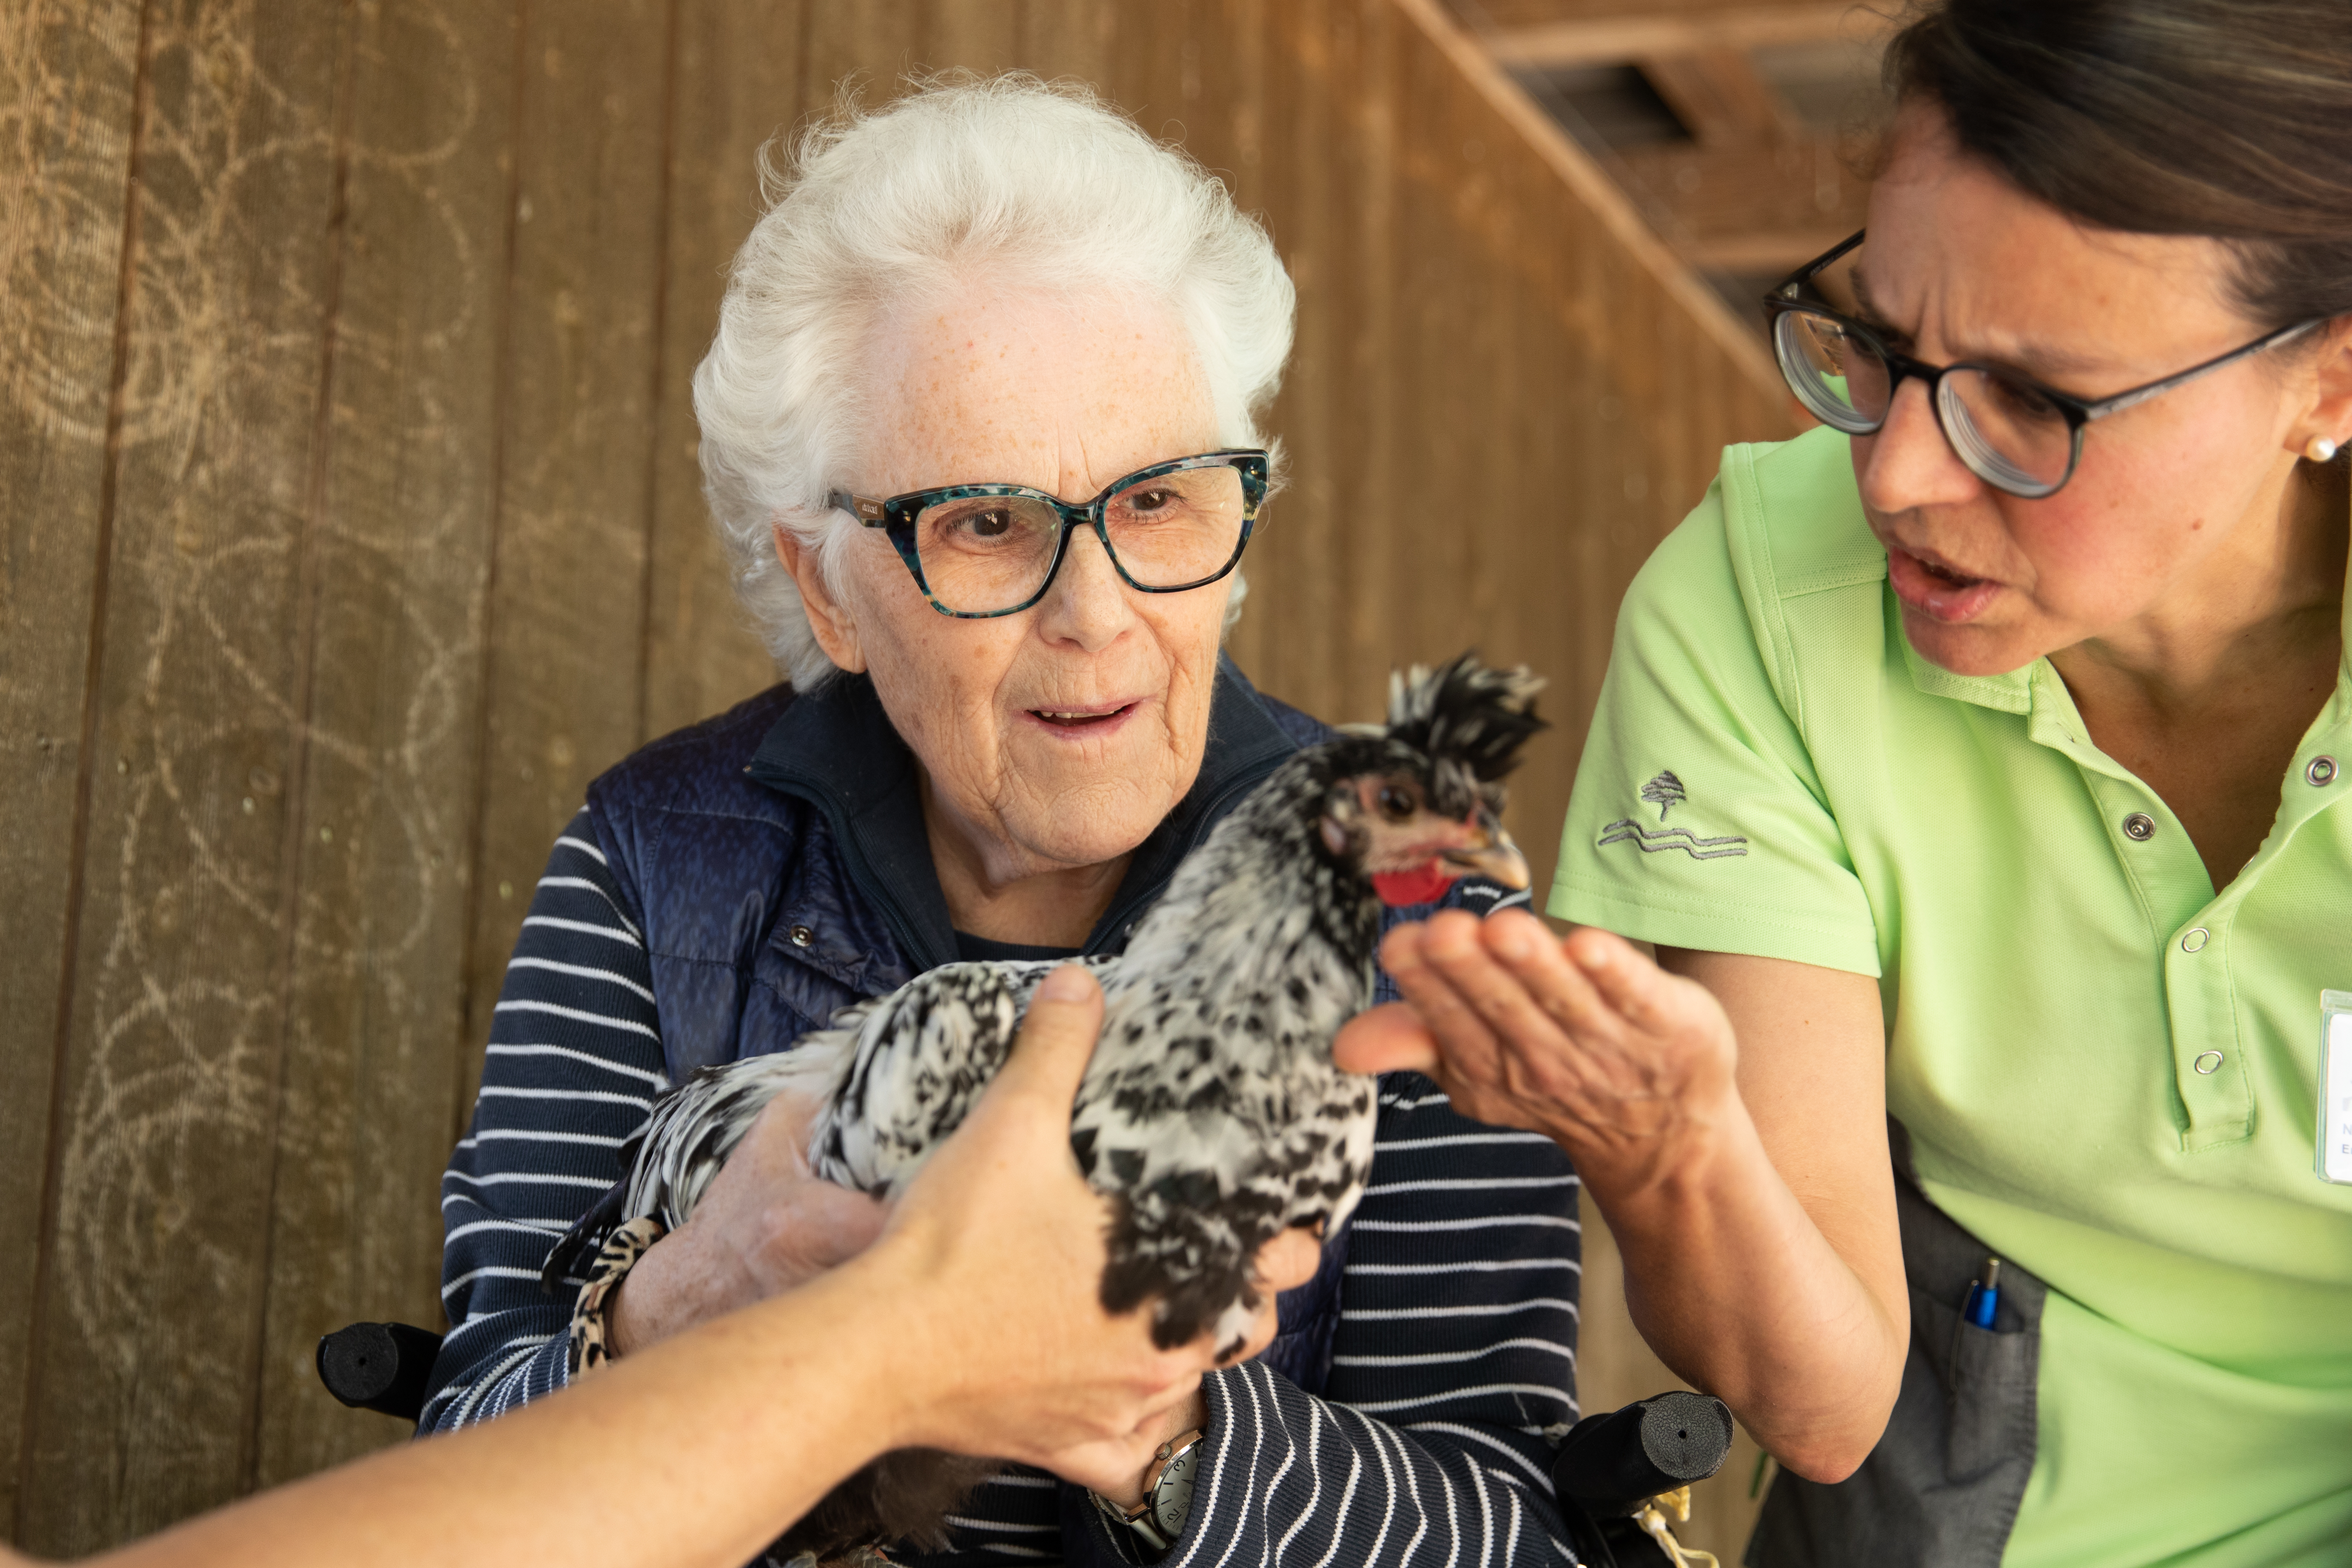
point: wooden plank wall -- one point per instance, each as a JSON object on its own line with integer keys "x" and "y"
{"x": 351, "y": 524}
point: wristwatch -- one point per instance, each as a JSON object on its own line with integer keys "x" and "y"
{"x": 1160, "y": 1517}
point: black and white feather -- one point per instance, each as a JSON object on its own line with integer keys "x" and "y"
{"x": 1211, "y": 1114}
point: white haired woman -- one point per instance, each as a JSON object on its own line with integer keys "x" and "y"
{"x": 994, "y": 309}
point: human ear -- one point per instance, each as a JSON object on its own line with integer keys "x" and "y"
{"x": 2328, "y": 417}
{"x": 835, "y": 627}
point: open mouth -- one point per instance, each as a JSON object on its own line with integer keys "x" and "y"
{"x": 1080, "y": 718}
{"x": 1936, "y": 588}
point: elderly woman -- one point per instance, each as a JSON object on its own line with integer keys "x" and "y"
{"x": 981, "y": 346}
{"x": 2006, "y": 730}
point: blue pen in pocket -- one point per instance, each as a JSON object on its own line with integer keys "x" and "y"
{"x": 1984, "y": 1296}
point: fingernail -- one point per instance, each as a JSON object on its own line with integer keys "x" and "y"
{"x": 1068, "y": 983}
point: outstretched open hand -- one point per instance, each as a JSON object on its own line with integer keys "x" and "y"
{"x": 1584, "y": 1039}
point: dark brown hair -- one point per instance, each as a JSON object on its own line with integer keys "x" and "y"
{"x": 2226, "y": 118}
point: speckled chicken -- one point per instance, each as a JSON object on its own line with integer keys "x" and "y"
{"x": 1211, "y": 1114}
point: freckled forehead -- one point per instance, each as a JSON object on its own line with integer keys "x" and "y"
{"x": 1065, "y": 393}
{"x": 1972, "y": 265}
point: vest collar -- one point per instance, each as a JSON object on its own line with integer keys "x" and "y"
{"x": 838, "y": 750}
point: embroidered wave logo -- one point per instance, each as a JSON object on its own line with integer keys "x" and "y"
{"x": 1666, "y": 792}
{"x": 1651, "y": 841}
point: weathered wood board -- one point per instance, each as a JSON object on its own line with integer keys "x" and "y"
{"x": 67, "y": 124}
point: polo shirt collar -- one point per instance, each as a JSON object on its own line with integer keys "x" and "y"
{"x": 2320, "y": 775}
{"x": 2012, "y": 693}
{"x": 836, "y": 749}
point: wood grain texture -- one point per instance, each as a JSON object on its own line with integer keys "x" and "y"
{"x": 403, "y": 505}
{"x": 583, "y": 302}
{"x": 406, "y": 545}
{"x": 1536, "y": 12}
{"x": 1070, "y": 38}
{"x": 67, "y": 113}
{"x": 740, "y": 63}
{"x": 1767, "y": 198}
{"x": 153, "y": 1291}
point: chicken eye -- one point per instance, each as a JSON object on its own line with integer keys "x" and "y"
{"x": 1396, "y": 804}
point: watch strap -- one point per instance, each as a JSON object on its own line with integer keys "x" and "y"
{"x": 1143, "y": 1518}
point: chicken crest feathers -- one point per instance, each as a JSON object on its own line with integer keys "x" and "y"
{"x": 1466, "y": 712}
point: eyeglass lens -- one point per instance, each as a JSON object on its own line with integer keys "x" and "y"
{"x": 2007, "y": 433}
{"x": 983, "y": 555}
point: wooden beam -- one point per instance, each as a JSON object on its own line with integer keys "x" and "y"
{"x": 1608, "y": 203}
{"x": 1758, "y": 252}
{"x": 1491, "y": 14}
{"x": 1721, "y": 98}
{"x": 1654, "y": 34}
{"x": 1743, "y": 205}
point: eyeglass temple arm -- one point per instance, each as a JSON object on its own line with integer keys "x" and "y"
{"x": 1786, "y": 289}
{"x": 871, "y": 512}
{"x": 2140, "y": 394}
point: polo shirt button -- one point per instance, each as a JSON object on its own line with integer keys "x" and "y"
{"x": 2207, "y": 1063}
{"x": 2322, "y": 771}
{"x": 2140, "y": 827}
{"x": 802, "y": 936}
{"x": 2194, "y": 941}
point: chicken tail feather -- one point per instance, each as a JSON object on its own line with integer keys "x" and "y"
{"x": 1197, "y": 1264}
{"x": 905, "y": 1495}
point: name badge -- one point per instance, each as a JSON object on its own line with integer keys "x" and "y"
{"x": 2336, "y": 1086}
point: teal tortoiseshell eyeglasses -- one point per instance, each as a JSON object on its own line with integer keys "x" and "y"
{"x": 978, "y": 551}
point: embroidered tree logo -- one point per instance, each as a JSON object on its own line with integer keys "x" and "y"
{"x": 1665, "y": 792}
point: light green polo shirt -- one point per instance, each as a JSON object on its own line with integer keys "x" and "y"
{"x": 2107, "y": 1069}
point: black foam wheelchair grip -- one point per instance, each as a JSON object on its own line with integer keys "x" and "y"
{"x": 1609, "y": 1465}
{"x": 381, "y": 1367}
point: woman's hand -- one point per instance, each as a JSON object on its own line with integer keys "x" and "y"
{"x": 1746, "y": 1184}
{"x": 1585, "y": 1040}
{"x": 1027, "y": 1366}
{"x": 765, "y": 1225}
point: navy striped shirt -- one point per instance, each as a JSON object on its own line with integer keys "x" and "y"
{"x": 1452, "y": 1365}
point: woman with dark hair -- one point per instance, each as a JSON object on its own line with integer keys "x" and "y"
{"x": 1975, "y": 764}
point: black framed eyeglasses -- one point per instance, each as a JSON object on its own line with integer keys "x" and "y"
{"x": 2013, "y": 432}
{"x": 979, "y": 550}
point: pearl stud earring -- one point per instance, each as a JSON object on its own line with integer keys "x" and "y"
{"x": 2320, "y": 450}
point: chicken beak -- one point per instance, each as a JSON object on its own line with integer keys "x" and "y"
{"x": 1493, "y": 856}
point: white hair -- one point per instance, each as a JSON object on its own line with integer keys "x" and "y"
{"x": 1039, "y": 183}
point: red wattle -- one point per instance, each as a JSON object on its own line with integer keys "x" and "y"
{"x": 1397, "y": 888}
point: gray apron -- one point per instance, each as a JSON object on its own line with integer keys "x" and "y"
{"x": 1942, "y": 1488}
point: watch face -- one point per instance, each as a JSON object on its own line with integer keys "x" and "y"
{"x": 1172, "y": 1499}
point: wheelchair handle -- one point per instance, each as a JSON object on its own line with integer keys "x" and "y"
{"x": 381, "y": 1367}
{"x": 1609, "y": 1465}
